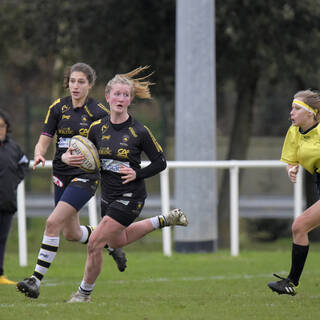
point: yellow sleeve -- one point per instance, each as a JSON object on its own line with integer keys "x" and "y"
{"x": 290, "y": 147}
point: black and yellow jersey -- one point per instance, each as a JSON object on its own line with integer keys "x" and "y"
{"x": 123, "y": 144}
{"x": 65, "y": 121}
{"x": 302, "y": 148}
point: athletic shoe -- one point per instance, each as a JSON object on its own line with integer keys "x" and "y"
{"x": 5, "y": 280}
{"x": 119, "y": 257}
{"x": 29, "y": 288}
{"x": 175, "y": 217}
{"x": 284, "y": 286}
{"x": 79, "y": 297}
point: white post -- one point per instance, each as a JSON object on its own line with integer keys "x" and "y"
{"x": 165, "y": 207}
{"x": 234, "y": 210}
{"x": 92, "y": 209}
{"x": 298, "y": 194}
{"x": 22, "y": 230}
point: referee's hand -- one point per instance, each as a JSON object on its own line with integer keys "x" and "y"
{"x": 292, "y": 172}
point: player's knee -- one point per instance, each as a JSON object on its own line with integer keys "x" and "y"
{"x": 52, "y": 226}
{"x": 69, "y": 235}
{"x": 95, "y": 245}
{"x": 298, "y": 227}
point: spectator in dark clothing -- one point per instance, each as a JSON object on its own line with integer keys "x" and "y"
{"x": 13, "y": 166}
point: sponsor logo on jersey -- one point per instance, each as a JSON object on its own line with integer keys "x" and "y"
{"x": 129, "y": 194}
{"x": 106, "y": 137}
{"x": 83, "y": 132}
{"x": 79, "y": 180}
{"x": 57, "y": 182}
{"x": 64, "y": 116}
{"x": 104, "y": 128}
{"x": 64, "y": 108}
{"x": 105, "y": 151}
{"x": 84, "y": 118}
{"x": 113, "y": 165}
{"x": 124, "y": 202}
{"x": 65, "y": 131}
{"x": 123, "y": 153}
{"x": 63, "y": 142}
{"x": 125, "y": 139}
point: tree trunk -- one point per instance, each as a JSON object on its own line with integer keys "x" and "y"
{"x": 238, "y": 146}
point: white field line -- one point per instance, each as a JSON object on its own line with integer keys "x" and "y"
{"x": 154, "y": 280}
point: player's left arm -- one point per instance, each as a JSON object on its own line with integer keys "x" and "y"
{"x": 154, "y": 152}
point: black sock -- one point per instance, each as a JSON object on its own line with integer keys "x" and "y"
{"x": 299, "y": 256}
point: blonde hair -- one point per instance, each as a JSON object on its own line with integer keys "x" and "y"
{"x": 311, "y": 98}
{"x": 139, "y": 87}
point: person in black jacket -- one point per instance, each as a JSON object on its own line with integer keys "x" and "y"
{"x": 13, "y": 167}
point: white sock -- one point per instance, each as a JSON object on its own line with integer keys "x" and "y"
{"x": 47, "y": 253}
{"x": 155, "y": 222}
{"x": 86, "y": 288}
{"x": 86, "y": 233}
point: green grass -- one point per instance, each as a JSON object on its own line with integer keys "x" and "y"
{"x": 184, "y": 286}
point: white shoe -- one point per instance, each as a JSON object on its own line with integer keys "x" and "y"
{"x": 79, "y": 297}
{"x": 176, "y": 217}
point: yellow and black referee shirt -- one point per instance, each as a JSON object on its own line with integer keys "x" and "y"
{"x": 302, "y": 148}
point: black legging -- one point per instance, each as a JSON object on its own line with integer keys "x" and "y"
{"x": 5, "y": 224}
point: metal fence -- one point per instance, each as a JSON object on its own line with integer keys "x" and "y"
{"x": 232, "y": 165}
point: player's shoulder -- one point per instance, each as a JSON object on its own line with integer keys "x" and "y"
{"x": 97, "y": 106}
{"x": 61, "y": 104}
{"x": 137, "y": 125}
{"x": 99, "y": 123}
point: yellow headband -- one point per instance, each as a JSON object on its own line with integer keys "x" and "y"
{"x": 305, "y": 106}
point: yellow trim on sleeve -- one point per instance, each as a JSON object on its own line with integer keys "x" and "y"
{"x": 48, "y": 113}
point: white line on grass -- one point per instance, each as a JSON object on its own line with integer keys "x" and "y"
{"x": 153, "y": 280}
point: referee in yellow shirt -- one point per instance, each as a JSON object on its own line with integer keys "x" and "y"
{"x": 301, "y": 146}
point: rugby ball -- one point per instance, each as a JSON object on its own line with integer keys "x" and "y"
{"x": 84, "y": 146}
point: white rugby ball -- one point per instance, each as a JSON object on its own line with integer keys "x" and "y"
{"x": 84, "y": 146}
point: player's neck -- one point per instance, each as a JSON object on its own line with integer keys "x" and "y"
{"x": 118, "y": 118}
{"x": 78, "y": 103}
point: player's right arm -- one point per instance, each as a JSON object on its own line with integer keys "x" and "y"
{"x": 40, "y": 150}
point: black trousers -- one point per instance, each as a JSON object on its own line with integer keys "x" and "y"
{"x": 5, "y": 225}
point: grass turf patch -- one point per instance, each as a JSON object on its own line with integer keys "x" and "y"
{"x": 184, "y": 286}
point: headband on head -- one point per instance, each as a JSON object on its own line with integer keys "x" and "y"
{"x": 305, "y": 106}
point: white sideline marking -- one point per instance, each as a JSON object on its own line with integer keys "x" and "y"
{"x": 154, "y": 280}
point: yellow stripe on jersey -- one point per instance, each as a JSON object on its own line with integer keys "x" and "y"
{"x": 88, "y": 111}
{"x": 104, "y": 108}
{"x": 94, "y": 123}
{"x": 159, "y": 149}
{"x": 133, "y": 132}
{"x": 48, "y": 113}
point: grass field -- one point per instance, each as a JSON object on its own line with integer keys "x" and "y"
{"x": 184, "y": 286}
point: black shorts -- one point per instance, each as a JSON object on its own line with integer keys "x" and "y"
{"x": 317, "y": 182}
{"x": 124, "y": 210}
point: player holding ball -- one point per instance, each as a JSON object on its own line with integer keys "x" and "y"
{"x": 73, "y": 187}
{"x": 120, "y": 140}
